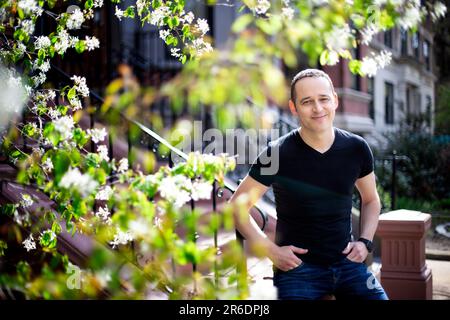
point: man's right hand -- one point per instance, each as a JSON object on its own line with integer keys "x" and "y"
{"x": 284, "y": 258}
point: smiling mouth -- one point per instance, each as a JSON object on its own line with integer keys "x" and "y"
{"x": 320, "y": 117}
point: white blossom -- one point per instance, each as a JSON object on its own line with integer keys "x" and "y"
{"x": 64, "y": 126}
{"x": 410, "y": 18}
{"x": 202, "y": 25}
{"x": 163, "y": 34}
{"x": 287, "y": 13}
{"x": 98, "y": 3}
{"x": 157, "y": 16}
{"x": 262, "y": 6}
{"x": 140, "y": 5}
{"x": 73, "y": 41}
{"x": 27, "y": 6}
{"x": 80, "y": 85}
{"x": 123, "y": 165}
{"x": 188, "y": 17}
{"x": 333, "y": 58}
{"x": 44, "y": 67}
{"x": 29, "y": 243}
{"x": 53, "y": 113}
{"x": 182, "y": 198}
{"x": 119, "y": 13}
{"x": 102, "y": 151}
{"x": 338, "y": 38}
{"x": 104, "y": 193}
{"x": 83, "y": 183}
{"x": 121, "y": 238}
{"x": 91, "y": 43}
{"x": 28, "y": 90}
{"x": 27, "y": 26}
{"x": 439, "y": 10}
{"x": 368, "y": 32}
{"x": 39, "y": 79}
{"x": 76, "y": 104}
{"x": 383, "y": 59}
{"x": 201, "y": 47}
{"x": 75, "y": 20}
{"x": 21, "y": 48}
{"x": 139, "y": 228}
{"x": 369, "y": 66}
{"x": 175, "y": 52}
{"x": 63, "y": 42}
{"x": 26, "y": 201}
{"x": 30, "y": 7}
{"x": 42, "y": 42}
{"x": 104, "y": 214}
{"x": 151, "y": 178}
{"x": 97, "y": 135}
{"x": 47, "y": 165}
{"x": 171, "y": 188}
{"x": 201, "y": 190}
{"x": 51, "y": 95}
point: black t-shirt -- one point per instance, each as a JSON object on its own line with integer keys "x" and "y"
{"x": 313, "y": 191}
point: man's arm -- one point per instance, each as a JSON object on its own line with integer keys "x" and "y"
{"x": 369, "y": 215}
{"x": 243, "y": 199}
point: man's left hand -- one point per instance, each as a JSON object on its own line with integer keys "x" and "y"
{"x": 356, "y": 251}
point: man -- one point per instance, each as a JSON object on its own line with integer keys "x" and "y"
{"x": 318, "y": 166}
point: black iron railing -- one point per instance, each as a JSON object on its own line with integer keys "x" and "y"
{"x": 216, "y": 192}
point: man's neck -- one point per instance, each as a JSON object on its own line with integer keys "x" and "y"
{"x": 321, "y": 141}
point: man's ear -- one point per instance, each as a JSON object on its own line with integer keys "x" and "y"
{"x": 292, "y": 108}
{"x": 336, "y": 100}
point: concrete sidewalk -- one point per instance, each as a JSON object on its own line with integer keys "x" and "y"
{"x": 440, "y": 270}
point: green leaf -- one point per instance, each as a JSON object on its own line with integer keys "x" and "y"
{"x": 61, "y": 163}
{"x": 48, "y": 239}
{"x": 3, "y": 247}
{"x": 56, "y": 228}
{"x": 88, "y": 4}
{"x": 71, "y": 94}
{"x": 355, "y": 66}
{"x": 129, "y": 12}
{"x": 8, "y": 209}
{"x": 80, "y": 46}
{"x": 20, "y": 13}
{"x": 241, "y": 23}
{"x": 324, "y": 57}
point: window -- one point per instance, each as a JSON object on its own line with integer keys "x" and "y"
{"x": 416, "y": 45}
{"x": 370, "y": 90}
{"x": 429, "y": 110}
{"x": 426, "y": 54}
{"x": 389, "y": 103}
{"x": 388, "y": 41}
{"x": 412, "y": 100}
{"x": 404, "y": 41}
{"x": 355, "y": 78}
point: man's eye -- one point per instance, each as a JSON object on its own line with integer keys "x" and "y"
{"x": 325, "y": 99}
{"x": 307, "y": 102}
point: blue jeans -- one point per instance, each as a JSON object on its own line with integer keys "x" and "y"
{"x": 344, "y": 279}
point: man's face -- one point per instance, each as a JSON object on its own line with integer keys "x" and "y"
{"x": 316, "y": 104}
